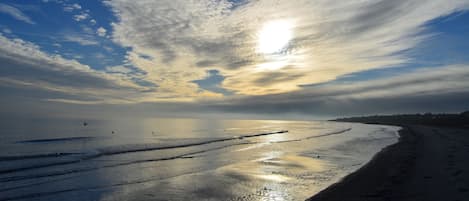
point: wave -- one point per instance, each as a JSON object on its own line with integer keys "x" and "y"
{"x": 114, "y": 150}
{"x": 86, "y": 169}
{"x": 70, "y": 158}
{"x": 150, "y": 147}
{"x": 56, "y": 140}
{"x": 77, "y": 157}
{"x": 315, "y": 136}
{"x": 89, "y": 188}
{"x": 35, "y": 156}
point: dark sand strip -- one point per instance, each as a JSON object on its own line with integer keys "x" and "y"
{"x": 428, "y": 163}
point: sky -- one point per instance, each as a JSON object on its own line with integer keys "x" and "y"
{"x": 274, "y": 58}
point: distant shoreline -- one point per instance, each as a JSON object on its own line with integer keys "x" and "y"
{"x": 425, "y": 164}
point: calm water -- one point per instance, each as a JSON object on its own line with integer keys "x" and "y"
{"x": 181, "y": 159}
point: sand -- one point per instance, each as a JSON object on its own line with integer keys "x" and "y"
{"x": 428, "y": 163}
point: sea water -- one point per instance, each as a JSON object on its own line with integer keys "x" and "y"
{"x": 181, "y": 159}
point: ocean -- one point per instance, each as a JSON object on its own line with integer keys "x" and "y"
{"x": 181, "y": 159}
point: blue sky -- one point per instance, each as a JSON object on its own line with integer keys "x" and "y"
{"x": 58, "y": 29}
{"x": 229, "y": 54}
{"x": 447, "y": 45}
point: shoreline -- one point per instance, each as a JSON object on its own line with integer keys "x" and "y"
{"x": 427, "y": 163}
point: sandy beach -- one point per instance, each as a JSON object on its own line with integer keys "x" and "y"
{"x": 428, "y": 163}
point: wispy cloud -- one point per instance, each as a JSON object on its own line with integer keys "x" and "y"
{"x": 72, "y": 7}
{"x": 428, "y": 89}
{"x": 81, "y": 17}
{"x": 82, "y": 40}
{"x": 6, "y": 30}
{"x": 330, "y": 38}
{"x": 15, "y": 13}
{"x": 101, "y": 31}
{"x": 23, "y": 66}
{"x": 205, "y": 55}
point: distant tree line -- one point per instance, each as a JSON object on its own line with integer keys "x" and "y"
{"x": 459, "y": 120}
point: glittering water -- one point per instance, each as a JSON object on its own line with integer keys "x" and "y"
{"x": 181, "y": 159}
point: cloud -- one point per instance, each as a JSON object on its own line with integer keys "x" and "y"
{"x": 185, "y": 55}
{"x": 101, "y": 31}
{"x": 32, "y": 81}
{"x": 76, "y": 6}
{"x": 15, "y": 13}
{"x": 118, "y": 69}
{"x": 6, "y": 30}
{"x": 436, "y": 89}
{"x": 82, "y": 40}
{"x": 330, "y": 38}
{"x": 54, "y": 1}
{"x": 25, "y": 69}
{"x": 72, "y": 7}
{"x": 81, "y": 17}
{"x": 87, "y": 30}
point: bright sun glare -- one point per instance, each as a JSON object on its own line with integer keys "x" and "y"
{"x": 274, "y": 36}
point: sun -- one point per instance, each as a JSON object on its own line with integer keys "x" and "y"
{"x": 274, "y": 36}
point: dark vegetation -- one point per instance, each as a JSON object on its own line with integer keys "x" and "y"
{"x": 450, "y": 120}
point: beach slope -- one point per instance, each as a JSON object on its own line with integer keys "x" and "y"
{"x": 428, "y": 163}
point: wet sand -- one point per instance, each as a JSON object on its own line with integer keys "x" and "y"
{"x": 428, "y": 163}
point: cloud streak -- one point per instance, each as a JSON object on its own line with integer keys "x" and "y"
{"x": 429, "y": 89}
{"x": 203, "y": 55}
{"x": 331, "y": 38}
{"x": 24, "y": 67}
{"x": 80, "y": 39}
{"x": 15, "y": 13}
